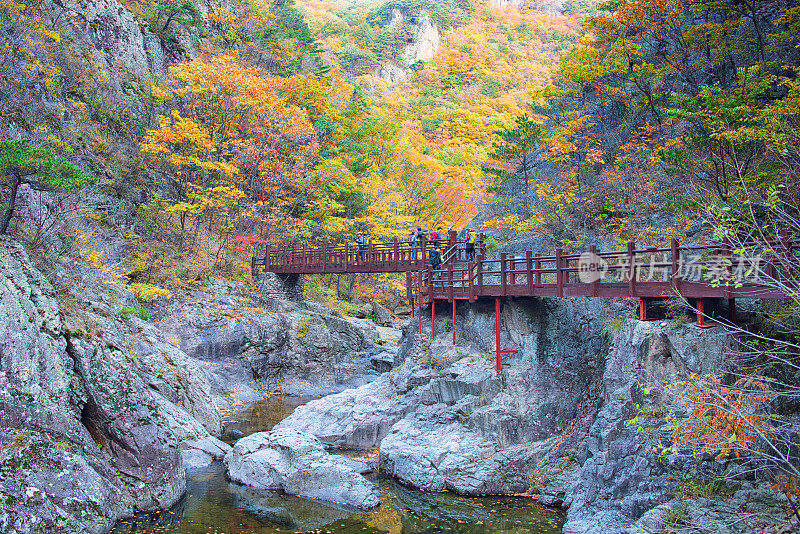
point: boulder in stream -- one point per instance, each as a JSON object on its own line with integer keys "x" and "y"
{"x": 297, "y": 463}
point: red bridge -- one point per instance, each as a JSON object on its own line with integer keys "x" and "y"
{"x": 694, "y": 272}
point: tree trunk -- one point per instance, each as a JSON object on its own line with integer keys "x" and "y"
{"x": 12, "y": 203}
{"x": 350, "y": 287}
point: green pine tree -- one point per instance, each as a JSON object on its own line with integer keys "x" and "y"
{"x": 24, "y": 163}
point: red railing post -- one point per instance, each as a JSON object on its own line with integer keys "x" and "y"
{"x": 559, "y": 272}
{"x": 347, "y": 256}
{"x": 538, "y": 265}
{"x": 631, "y": 269}
{"x": 480, "y": 274}
{"x": 396, "y": 252}
{"x": 450, "y": 280}
{"x": 503, "y": 274}
{"x": 675, "y": 252}
{"x": 497, "y": 356}
{"x": 470, "y": 267}
{"x": 529, "y": 271}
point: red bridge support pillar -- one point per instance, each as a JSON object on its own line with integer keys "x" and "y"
{"x": 497, "y": 357}
{"x": 643, "y": 309}
{"x": 701, "y": 314}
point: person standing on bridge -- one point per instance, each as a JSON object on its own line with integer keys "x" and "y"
{"x": 436, "y": 257}
{"x": 472, "y": 238}
{"x": 434, "y": 237}
{"x": 361, "y": 240}
{"x": 417, "y": 239}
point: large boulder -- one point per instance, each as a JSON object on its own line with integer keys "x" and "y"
{"x": 298, "y": 464}
{"x": 382, "y": 315}
{"x": 433, "y": 450}
{"x": 359, "y": 418}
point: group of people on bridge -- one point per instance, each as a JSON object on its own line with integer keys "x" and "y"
{"x": 437, "y": 240}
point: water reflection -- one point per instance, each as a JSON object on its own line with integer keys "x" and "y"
{"x": 261, "y": 416}
{"x": 213, "y": 505}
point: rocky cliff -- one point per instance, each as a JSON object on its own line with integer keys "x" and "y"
{"x": 424, "y": 44}
{"x": 84, "y": 441}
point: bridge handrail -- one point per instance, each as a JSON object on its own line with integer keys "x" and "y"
{"x": 630, "y": 272}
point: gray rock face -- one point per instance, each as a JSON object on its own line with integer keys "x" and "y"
{"x": 273, "y": 345}
{"x": 433, "y": 450}
{"x": 180, "y": 379}
{"x": 621, "y": 477}
{"x": 297, "y": 463}
{"x": 553, "y": 422}
{"x": 355, "y": 418}
{"x": 383, "y": 317}
{"x": 83, "y": 441}
{"x": 426, "y": 41}
{"x": 442, "y": 425}
{"x": 423, "y": 47}
{"x": 194, "y": 459}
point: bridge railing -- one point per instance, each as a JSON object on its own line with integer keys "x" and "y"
{"x": 702, "y": 270}
{"x": 390, "y": 256}
{"x": 756, "y": 270}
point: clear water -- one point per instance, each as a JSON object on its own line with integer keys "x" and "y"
{"x": 261, "y": 416}
{"x": 213, "y": 505}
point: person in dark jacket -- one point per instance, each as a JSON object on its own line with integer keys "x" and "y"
{"x": 436, "y": 257}
{"x": 361, "y": 240}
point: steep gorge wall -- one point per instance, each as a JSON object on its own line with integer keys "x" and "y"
{"x": 82, "y": 439}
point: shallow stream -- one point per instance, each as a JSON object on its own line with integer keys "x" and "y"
{"x": 213, "y": 505}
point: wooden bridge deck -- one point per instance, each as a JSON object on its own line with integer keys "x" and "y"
{"x": 712, "y": 270}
